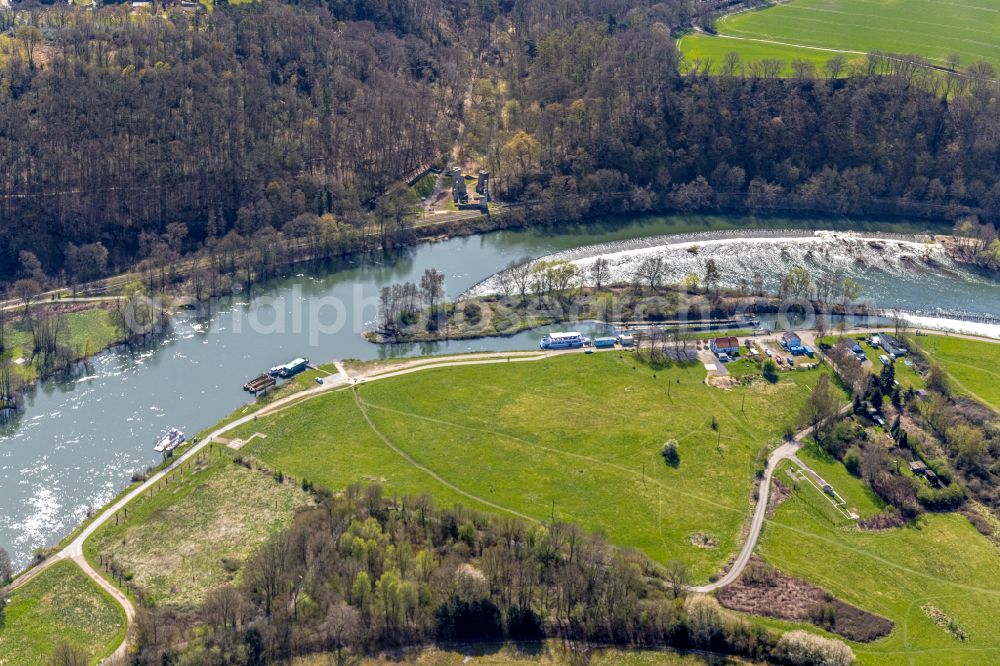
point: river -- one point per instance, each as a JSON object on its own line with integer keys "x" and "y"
{"x": 78, "y": 441}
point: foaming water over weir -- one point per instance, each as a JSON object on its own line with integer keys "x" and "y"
{"x": 906, "y": 273}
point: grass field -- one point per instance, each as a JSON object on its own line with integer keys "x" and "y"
{"x": 942, "y": 561}
{"x": 86, "y": 333}
{"x": 576, "y": 437}
{"x": 193, "y": 534}
{"x": 930, "y": 28}
{"x": 974, "y": 366}
{"x": 61, "y": 604}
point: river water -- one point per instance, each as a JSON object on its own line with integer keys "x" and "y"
{"x": 78, "y": 441}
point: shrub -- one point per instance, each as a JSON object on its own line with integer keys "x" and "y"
{"x": 941, "y": 499}
{"x": 803, "y": 648}
{"x": 473, "y": 313}
{"x": 770, "y": 371}
{"x": 671, "y": 453}
{"x": 852, "y": 460}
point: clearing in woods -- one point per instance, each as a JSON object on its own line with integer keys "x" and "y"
{"x": 815, "y": 29}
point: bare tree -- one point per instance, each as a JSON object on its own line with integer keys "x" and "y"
{"x": 432, "y": 287}
{"x": 67, "y": 654}
{"x": 342, "y": 629}
{"x": 520, "y": 276}
{"x": 678, "y": 578}
{"x": 600, "y": 271}
{"x": 651, "y": 271}
{"x": 821, "y": 407}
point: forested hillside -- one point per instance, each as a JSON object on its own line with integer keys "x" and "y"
{"x": 126, "y": 136}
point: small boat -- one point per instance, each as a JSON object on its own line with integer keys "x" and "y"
{"x": 259, "y": 383}
{"x": 170, "y": 440}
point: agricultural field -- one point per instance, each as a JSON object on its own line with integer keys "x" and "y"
{"x": 938, "y": 580}
{"x": 816, "y": 30}
{"x": 194, "y": 534}
{"x": 61, "y": 604}
{"x": 575, "y": 438}
{"x": 973, "y": 365}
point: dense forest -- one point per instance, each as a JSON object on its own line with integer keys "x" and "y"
{"x": 128, "y": 136}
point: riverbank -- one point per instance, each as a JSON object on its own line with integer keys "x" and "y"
{"x": 79, "y": 439}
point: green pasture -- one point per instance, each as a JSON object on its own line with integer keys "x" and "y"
{"x": 933, "y": 29}
{"x": 973, "y": 365}
{"x": 576, "y": 438}
{"x": 60, "y": 604}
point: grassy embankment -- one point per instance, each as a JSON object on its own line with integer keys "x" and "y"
{"x": 923, "y": 27}
{"x": 576, "y": 437}
{"x": 193, "y": 533}
{"x": 61, "y": 604}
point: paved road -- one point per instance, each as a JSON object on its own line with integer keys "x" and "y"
{"x": 786, "y": 451}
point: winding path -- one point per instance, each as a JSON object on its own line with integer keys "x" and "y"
{"x": 75, "y": 549}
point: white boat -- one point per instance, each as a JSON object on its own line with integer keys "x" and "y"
{"x": 170, "y": 440}
{"x": 570, "y": 340}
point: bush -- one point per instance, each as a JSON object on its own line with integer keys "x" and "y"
{"x": 805, "y": 649}
{"x": 473, "y": 313}
{"x": 941, "y": 499}
{"x": 770, "y": 371}
{"x": 671, "y": 453}
{"x": 852, "y": 460}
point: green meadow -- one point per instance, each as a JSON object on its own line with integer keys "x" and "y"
{"x": 940, "y": 563}
{"x": 194, "y": 533}
{"x": 86, "y": 332}
{"x": 61, "y": 604}
{"x": 576, "y": 438}
{"x": 972, "y": 365}
{"x": 804, "y": 28}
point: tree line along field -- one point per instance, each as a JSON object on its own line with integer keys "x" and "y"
{"x": 574, "y": 438}
{"x": 814, "y": 29}
{"x": 61, "y": 604}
